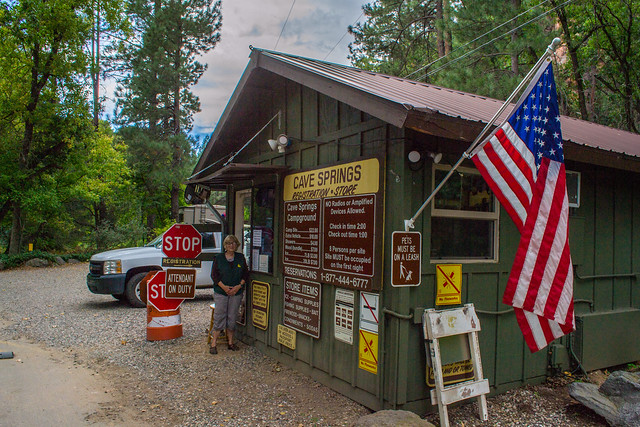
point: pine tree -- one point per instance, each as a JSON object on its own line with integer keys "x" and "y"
{"x": 399, "y": 36}
{"x": 159, "y": 70}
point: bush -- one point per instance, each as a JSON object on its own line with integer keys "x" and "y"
{"x": 11, "y": 261}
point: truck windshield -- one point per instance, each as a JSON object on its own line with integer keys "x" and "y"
{"x": 155, "y": 242}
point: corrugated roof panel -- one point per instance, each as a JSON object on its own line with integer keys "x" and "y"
{"x": 455, "y": 103}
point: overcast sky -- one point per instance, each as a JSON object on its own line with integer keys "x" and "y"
{"x": 313, "y": 29}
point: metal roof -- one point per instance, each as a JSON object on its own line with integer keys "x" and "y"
{"x": 456, "y": 104}
{"x": 402, "y": 103}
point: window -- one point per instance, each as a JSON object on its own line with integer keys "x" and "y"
{"x": 242, "y": 227}
{"x": 464, "y": 217}
{"x": 262, "y": 232}
{"x": 573, "y": 188}
{"x": 254, "y": 226}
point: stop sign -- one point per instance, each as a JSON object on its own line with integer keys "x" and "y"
{"x": 182, "y": 241}
{"x": 156, "y": 294}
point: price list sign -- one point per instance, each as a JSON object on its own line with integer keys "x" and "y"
{"x": 302, "y": 233}
{"x": 332, "y": 225}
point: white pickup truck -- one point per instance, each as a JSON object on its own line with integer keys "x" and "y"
{"x": 119, "y": 272}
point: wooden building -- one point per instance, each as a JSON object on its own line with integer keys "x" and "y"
{"x": 315, "y": 159}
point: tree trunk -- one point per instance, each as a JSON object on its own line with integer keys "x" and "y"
{"x": 95, "y": 72}
{"x": 575, "y": 66}
{"x": 447, "y": 31}
{"x": 4, "y": 209}
{"x": 440, "y": 28}
{"x": 15, "y": 241}
{"x": 151, "y": 224}
{"x": 175, "y": 201}
{"x": 515, "y": 61}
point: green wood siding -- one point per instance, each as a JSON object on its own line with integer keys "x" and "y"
{"x": 605, "y": 239}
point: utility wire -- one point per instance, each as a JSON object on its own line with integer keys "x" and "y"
{"x": 474, "y": 40}
{"x": 494, "y": 39}
{"x": 345, "y": 33}
{"x": 284, "y": 25}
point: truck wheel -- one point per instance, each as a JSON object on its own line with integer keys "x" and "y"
{"x": 132, "y": 290}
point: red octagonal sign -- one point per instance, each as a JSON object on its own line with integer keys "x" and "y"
{"x": 182, "y": 241}
{"x": 156, "y": 294}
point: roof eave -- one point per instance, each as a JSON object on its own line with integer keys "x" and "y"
{"x": 244, "y": 79}
{"x": 386, "y": 110}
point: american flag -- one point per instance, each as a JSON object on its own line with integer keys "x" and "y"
{"x": 523, "y": 163}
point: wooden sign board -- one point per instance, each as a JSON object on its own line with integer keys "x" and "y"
{"x": 333, "y": 225}
{"x": 287, "y": 337}
{"x": 181, "y": 283}
{"x": 260, "y": 293}
{"x": 452, "y": 373}
{"x": 406, "y": 258}
{"x": 181, "y": 262}
{"x": 302, "y": 306}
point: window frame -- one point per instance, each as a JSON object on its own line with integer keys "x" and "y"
{"x": 493, "y": 216}
{"x": 250, "y": 193}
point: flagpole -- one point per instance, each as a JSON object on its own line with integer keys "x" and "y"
{"x": 409, "y": 223}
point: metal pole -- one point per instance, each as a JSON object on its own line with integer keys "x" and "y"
{"x": 409, "y": 223}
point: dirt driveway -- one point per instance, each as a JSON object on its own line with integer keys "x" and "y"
{"x": 41, "y": 387}
{"x": 83, "y": 359}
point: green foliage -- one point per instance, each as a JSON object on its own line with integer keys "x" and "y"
{"x": 155, "y": 102}
{"x": 68, "y": 184}
{"x": 494, "y": 44}
{"x": 16, "y": 260}
{"x": 615, "y": 51}
{"x": 397, "y": 37}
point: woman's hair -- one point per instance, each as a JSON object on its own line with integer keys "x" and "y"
{"x": 231, "y": 239}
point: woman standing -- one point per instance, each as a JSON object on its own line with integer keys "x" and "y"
{"x": 230, "y": 275}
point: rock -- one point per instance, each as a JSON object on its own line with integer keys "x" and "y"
{"x": 60, "y": 261}
{"x": 597, "y": 377}
{"x": 1, "y": 265}
{"x": 389, "y": 418}
{"x": 622, "y": 384}
{"x": 589, "y": 396}
{"x": 617, "y": 399}
{"x": 37, "y": 262}
{"x": 73, "y": 261}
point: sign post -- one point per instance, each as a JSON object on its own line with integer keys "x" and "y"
{"x": 166, "y": 290}
{"x": 163, "y": 315}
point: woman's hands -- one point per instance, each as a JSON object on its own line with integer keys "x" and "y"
{"x": 230, "y": 290}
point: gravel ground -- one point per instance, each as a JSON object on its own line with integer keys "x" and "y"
{"x": 178, "y": 382}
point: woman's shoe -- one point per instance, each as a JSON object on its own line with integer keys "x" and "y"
{"x": 213, "y": 350}
{"x": 233, "y": 347}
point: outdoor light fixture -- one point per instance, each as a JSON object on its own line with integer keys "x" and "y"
{"x": 280, "y": 143}
{"x": 435, "y": 156}
{"x": 416, "y": 157}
